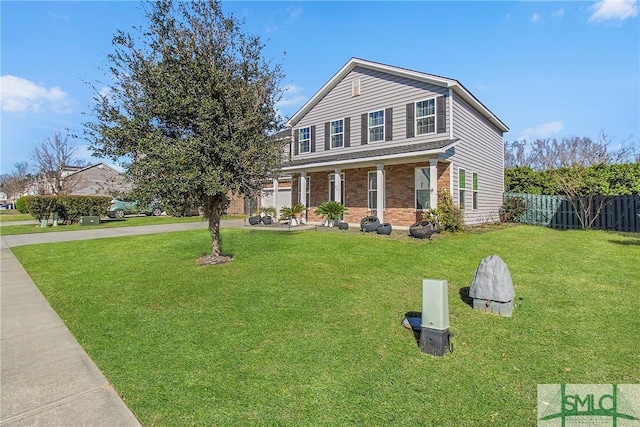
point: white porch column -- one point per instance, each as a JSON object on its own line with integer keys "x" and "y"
{"x": 433, "y": 183}
{"x": 380, "y": 192}
{"x": 275, "y": 194}
{"x": 338, "y": 186}
{"x": 303, "y": 189}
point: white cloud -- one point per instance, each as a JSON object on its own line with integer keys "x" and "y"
{"x": 292, "y": 97}
{"x": 294, "y": 12}
{"x": 19, "y": 95}
{"x": 271, "y": 29}
{"x": 613, "y": 10}
{"x": 558, "y": 13}
{"x": 543, "y": 130}
{"x": 535, "y": 17}
{"x": 59, "y": 16}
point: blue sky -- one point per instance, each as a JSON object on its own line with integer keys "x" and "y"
{"x": 546, "y": 69}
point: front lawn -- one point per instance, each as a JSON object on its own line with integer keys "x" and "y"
{"x": 130, "y": 221}
{"x": 303, "y": 327}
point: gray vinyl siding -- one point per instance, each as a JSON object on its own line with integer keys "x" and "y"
{"x": 378, "y": 91}
{"x": 97, "y": 181}
{"x": 480, "y": 150}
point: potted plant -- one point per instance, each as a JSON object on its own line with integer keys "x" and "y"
{"x": 292, "y": 213}
{"x": 267, "y": 213}
{"x": 331, "y": 211}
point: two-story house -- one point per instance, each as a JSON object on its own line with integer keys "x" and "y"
{"x": 383, "y": 140}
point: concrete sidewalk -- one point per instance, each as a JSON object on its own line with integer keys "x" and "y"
{"x": 46, "y": 377}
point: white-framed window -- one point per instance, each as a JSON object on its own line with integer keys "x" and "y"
{"x": 423, "y": 188}
{"x": 426, "y": 116}
{"x": 332, "y": 187}
{"x": 307, "y": 192}
{"x": 304, "y": 139}
{"x": 337, "y": 133}
{"x": 376, "y": 126}
{"x": 462, "y": 185}
{"x": 474, "y": 188}
{"x": 372, "y": 186}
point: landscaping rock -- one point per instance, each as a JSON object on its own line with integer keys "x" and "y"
{"x": 492, "y": 281}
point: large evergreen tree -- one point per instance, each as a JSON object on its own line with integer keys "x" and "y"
{"x": 192, "y": 108}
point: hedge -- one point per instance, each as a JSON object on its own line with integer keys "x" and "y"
{"x": 68, "y": 208}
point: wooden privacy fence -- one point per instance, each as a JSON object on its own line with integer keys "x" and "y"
{"x": 620, "y": 213}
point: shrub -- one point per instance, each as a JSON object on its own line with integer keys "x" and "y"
{"x": 41, "y": 207}
{"x": 512, "y": 209}
{"x": 68, "y": 208}
{"x": 269, "y": 211}
{"x": 21, "y": 205}
{"x": 447, "y": 216}
{"x": 331, "y": 210}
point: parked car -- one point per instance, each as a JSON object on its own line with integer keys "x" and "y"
{"x": 120, "y": 208}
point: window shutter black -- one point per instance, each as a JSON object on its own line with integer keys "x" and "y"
{"x": 364, "y": 129}
{"x": 441, "y": 113}
{"x": 327, "y": 146}
{"x": 347, "y": 132}
{"x": 295, "y": 142}
{"x": 410, "y": 120}
{"x": 388, "y": 124}
{"x": 313, "y": 139}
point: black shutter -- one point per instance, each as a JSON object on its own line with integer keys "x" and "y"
{"x": 347, "y": 132}
{"x": 295, "y": 142}
{"x": 364, "y": 129}
{"x": 388, "y": 124}
{"x": 441, "y": 114}
{"x": 327, "y": 145}
{"x": 410, "y": 120}
{"x": 313, "y": 139}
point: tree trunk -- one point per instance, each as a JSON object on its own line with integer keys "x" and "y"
{"x": 214, "y": 208}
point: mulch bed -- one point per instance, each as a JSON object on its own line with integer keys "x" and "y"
{"x": 214, "y": 260}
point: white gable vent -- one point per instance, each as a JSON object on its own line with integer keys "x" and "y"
{"x": 355, "y": 88}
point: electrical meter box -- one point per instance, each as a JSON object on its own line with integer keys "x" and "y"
{"x": 435, "y": 304}
{"x": 89, "y": 220}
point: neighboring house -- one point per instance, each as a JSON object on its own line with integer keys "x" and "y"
{"x": 383, "y": 140}
{"x": 98, "y": 179}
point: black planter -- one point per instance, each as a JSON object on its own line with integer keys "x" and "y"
{"x": 343, "y": 226}
{"x": 369, "y": 224}
{"x": 384, "y": 229}
{"x": 422, "y": 230}
{"x": 266, "y": 220}
{"x": 255, "y": 220}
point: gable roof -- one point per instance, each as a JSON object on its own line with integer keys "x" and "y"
{"x": 456, "y": 86}
{"x": 101, "y": 165}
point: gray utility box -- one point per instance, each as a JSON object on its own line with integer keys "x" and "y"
{"x": 89, "y": 220}
{"x": 434, "y": 328}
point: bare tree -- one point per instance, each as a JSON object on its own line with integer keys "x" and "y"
{"x": 15, "y": 183}
{"x": 53, "y": 157}
{"x": 574, "y": 164}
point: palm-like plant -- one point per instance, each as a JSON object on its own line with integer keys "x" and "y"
{"x": 292, "y": 212}
{"x": 331, "y": 210}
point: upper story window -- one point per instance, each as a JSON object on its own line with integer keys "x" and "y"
{"x": 426, "y": 116}
{"x": 304, "y": 139}
{"x": 337, "y": 133}
{"x": 376, "y": 126}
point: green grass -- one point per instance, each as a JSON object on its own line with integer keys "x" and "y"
{"x": 131, "y": 221}
{"x": 13, "y": 215}
{"x": 303, "y": 328}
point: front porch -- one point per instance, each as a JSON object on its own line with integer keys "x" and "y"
{"x": 404, "y": 190}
